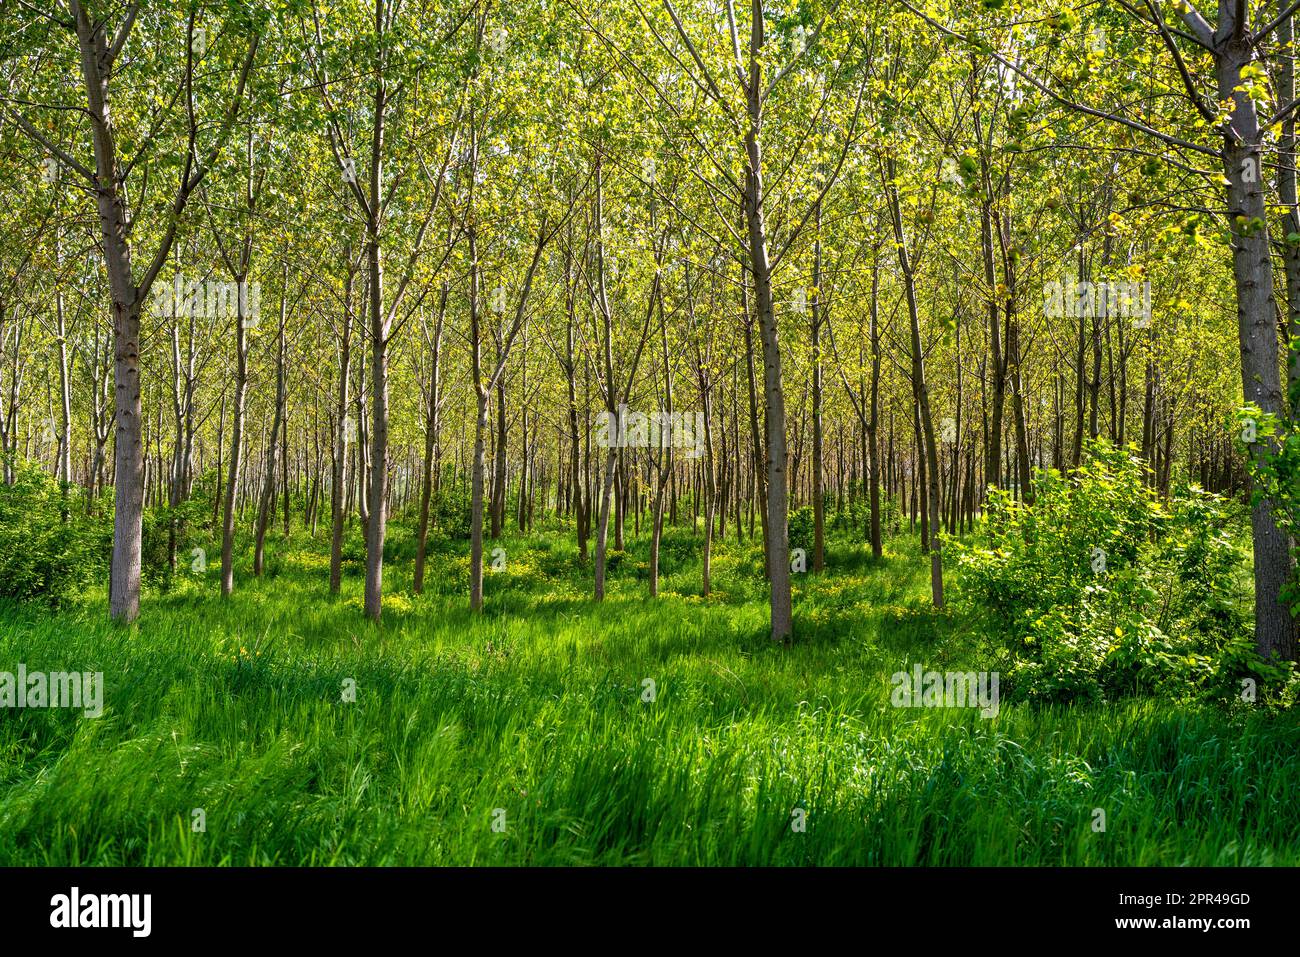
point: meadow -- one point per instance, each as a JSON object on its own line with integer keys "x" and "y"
{"x": 550, "y": 730}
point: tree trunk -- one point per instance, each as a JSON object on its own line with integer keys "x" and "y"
{"x": 342, "y": 452}
{"x": 236, "y": 444}
{"x": 1252, "y": 268}
{"x": 778, "y": 532}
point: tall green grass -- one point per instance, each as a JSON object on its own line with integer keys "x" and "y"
{"x": 533, "y": 715}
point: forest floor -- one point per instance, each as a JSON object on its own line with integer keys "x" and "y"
{"x": 527, "y": 735}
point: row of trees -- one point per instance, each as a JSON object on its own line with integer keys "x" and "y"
{"x": 345, "y": 257}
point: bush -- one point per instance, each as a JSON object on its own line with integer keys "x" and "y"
{"x": 855, "y": 516}
{"x": 193, "y": 521}
{"x": 891, "y": 515}
{"x": 48, "y": 545}
{"x": 800, "y": 524}
{"x": 400, "y": 542}
{"x": 451, "y": 509}
{"x": 1104, "y": 589}
{"x": 353, "y": 550}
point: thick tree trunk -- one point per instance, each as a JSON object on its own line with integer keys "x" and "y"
{"x": 476, "y": 504}
{"x": 997, "y": 359}
{"x": 63, "y": 469}
{"x": 377, "y": 528}
{"x": 873, "y": 421}
{"x": 128, "y": 471}
{"x": 1252, "y": 267}
{"x": 482, "y": 390}
{"x": 602, "y": 519}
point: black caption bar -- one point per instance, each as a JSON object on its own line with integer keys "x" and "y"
{"x": 143, "y": 907}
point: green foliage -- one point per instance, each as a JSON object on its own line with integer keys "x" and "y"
{"x": 450, "y": 511}
{"x": 353, "y": 551}
{"x": 155, "y": 554}
{"x": 1103, "y": 589}
{"x": 891, "y": 515}
{"x": 48, "y": 546}
{"x": 800, "y": 524}
{"x": 1272, "y": 451}
{"x": 679, "y": 548}
{"x": 188, "y": 523}
{"x": 400, "y": 542}
{"x": 855, "y": 515}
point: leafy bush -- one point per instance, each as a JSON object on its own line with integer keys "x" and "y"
{"x": 451, "y": 509}
{"x": 1271, "y": 446}
{"x": 155, "y": 564}
{"x": 48, "y": 545}
{"x": 891, "y": 515}
{"x": 193, "y": 528}
{"x": 1104, "y": 589}
{"x": 800, "y": 524}
{"x": 855, "y": 516}
{"x": 400, "y": 542}
{"x": 679, "y": 548}
{"x": 353, "y": 551}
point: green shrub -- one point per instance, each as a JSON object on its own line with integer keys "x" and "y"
{"x": 399, "y": 543}
{"x": 1104, "y": 589}
{"x": 194, "y": 528}
{"x": 800, "y": 524}
{"x": 855, "y": 516}
{"x": 679, "y": 549}
{"x": 353, "y": 551}
{"x": 891, "y": 515}
{"x": 452, "y": 508}
{"x": 48, "y": 545}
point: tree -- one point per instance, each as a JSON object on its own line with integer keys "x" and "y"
{"x": 99, "y": 45}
